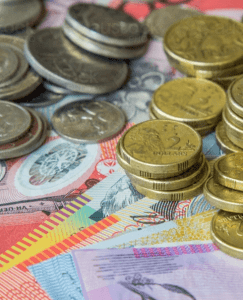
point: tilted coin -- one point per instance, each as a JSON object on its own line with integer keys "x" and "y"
{"x": 223, "y": 197}
{"x": 88, "y": 121}
{"x": 21, "y": 88}
{"x": 100, "y": 48}
{"x": 234, "y": 133}
{"x": 19, "y": 14}
{"x": 161, "y": 19}
{"x": 14, "y": 121}
{"x": 56, "y": 89}
{"x": 186, "y": 179}
{"x": 223, "y": 141}
{"x": 25, "y": 144}
{"x": 232, "y": 117}
{"x": 204, "y": 43}
{"x": 228, "y": 171}
{"x": 58, "y": 60}
{"x": 8, "y": 62}
{"x": 106, "y": 25}
{"x": 196, "y": 102}
{"x": 17, "y": 46}
{"x": 235, "y": 96}
{"x": 176, "y": 195}
{"x": 227, "y": 232}
{"x": 159, "y": 146}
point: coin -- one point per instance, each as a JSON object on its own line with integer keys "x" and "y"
{"x": 232, "y": 117}
{"x": 21, "y": 88}
{"x": 17, "y": 46}
{"x": 56, "y": 89}
{"x": 19, "y": 14}
{"x": 227, "y": 234}
{"x": 159, "y": 147}
{"x": 234, "y": 133}
{"x": 25, "y": 144}
{"x": 186, "y": 179}
{"x": 223, "y": 141}
{"x": 176, "y": 195}
{"x": 100, "y": 48}
{"x": 196, "y": 102}
{"x": 235, "y": 96}
{"x": 14, "y": 121}
{"x": 8, "y": 62}
{"x": 61, "y": 62}
{"x": 225, "y": 82}
{"x": 106, "y": 25}
{"x": 88, "y": 121}
{"x": 228, "y": 171}
{"x": 161, "y": 19}
{"x": 204, "y": 43}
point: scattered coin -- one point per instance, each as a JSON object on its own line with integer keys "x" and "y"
{"x": 234, "y": 133}
{"x": 61, "y": 62}
{"x": 106, "y": 25}
{"x": 8, "y": 62}
{"x": 232, "y": 117}
{"x": 88, "y": 121}
{"x": 235, "y": 96}
{"x": 226, "y": 232}
{"x": 56, "y": 89}
{"x": 14, "y": 121}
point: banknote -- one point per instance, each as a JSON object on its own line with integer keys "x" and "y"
{"x": 180, "y": 273}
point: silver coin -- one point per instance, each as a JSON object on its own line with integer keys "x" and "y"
{"x": 59, "y": 61}
{"x": 88, "y": 121}
{"x": 161, "y": 19}
{"x": 17, "y": 46}
{"x": 8, "y": 62}
{"x": 106, "y": 25}
{"x": 15, "y": 15}
{"x": 3, "y": 169}
{"x": 14, "y": 121}
{"x": 100, "y": 48}
{"x": 56, "y": 89}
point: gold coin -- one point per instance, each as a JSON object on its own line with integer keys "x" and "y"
{"x": 223, "y": 197}
{"x": 196, "y": 102}
{"x": 225, "y": 82}
{"x": 223, "y": 141}
{"x": 126, "y": 166}
{"x": 232, "y": 117}
{"x": 204, "y": 43}
{"x": 159, "y": 146}
{"x": 234, "y": 133}
{"x": 235, "y": 96}
{"x": 228, "y": 171}
{"x": 176, "y": 195}
{"x": 227, "y": 232}
{"x": 189, "y": 177}
{"x": 151, "y": 113}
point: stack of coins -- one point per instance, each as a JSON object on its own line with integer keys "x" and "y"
{"x": 21, "y": 130}
{"x": 196, "y": 102}
{"x": 204, "y": 47}
{"x": 16, "y": 78}
{"x": 163, "y": 160}
{"x": 229, "y": 133}
{"x": 225, "y": 191}
{"x": 105, "y": 31}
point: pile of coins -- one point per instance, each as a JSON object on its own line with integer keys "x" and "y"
{"x": 196, "y": 102}
{"x": 225, "y": 191}
{"x": 17, "y": 80}
{"x": 206, "y": 47}
{"x": 163, "y": 160}
{"x": 21, "y": 130}
{"x": 79, "y": 57}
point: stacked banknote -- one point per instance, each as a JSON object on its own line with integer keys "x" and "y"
{"x": 225, "y": 191}
{"x": 163, "y": 159}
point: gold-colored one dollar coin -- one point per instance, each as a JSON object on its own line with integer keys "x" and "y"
{"x": 228, "y": 171}
{"x": 176, "y": 195}
{"x": 232, "y": 117}
{"x": 204, "y": 43}
{"x": 223, "y": 197}
{"x": 234, "y": 133}
{"x": 161, "y": 147}
{"x": 227, "y": 232}
{"x": 235, "y": 96}
{"x": 196, "y": 102}
{"x": 223, "y": 141}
